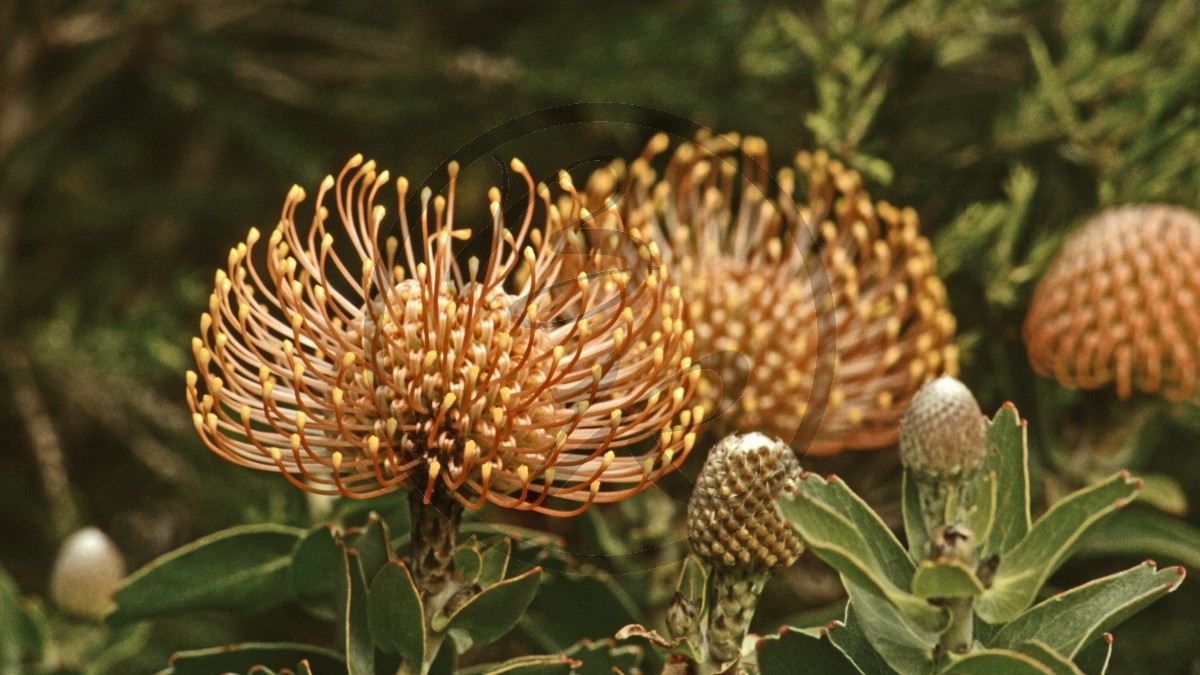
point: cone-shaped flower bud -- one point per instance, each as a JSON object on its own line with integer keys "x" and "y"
{"x": 86, "y": 572}
{"x": 943, "y": 436}
{"x": 732, "y": 522}
{"x": 1120, "y": 304}
{"x": 734, "y": 528}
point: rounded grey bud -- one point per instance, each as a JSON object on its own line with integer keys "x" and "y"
{"x": 943, "y": 435}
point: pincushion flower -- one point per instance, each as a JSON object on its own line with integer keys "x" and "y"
{"x": 809, "y": 301}
{"x": 353, "y": 366}
{"x": 1120, "y": 304}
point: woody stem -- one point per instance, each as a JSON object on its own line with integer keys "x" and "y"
{"x": 434, "y": 535}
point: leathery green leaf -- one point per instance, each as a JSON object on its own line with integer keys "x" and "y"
{"x": 905, "y": 645}
{"x": 844, "y": 532}
{"x": 396, "y": 616}
{"x": 945, "y": 579}
{"x": 524, "y": 665}
{"x": 914, "y": 524}
{"x": 779, "y": 654}
{"x": 1024, "y": 569}
{"x": 1008, "y": 458}
{"x": 847, "y": 635}
{"x": 242, "y": 657}
{"x": 1141, "y": 530}
{"x": 1028, "y": 658}
{"x": 242, "y": 569}
{"x": 1070, "y": 620}
{"x": 495, "y": 610}
{"x": 353, "y": 629}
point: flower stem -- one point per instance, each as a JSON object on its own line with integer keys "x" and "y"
{"x": 735, "y": 596}
{"x": 434, "y": 536}
{"x": 959, "y": 637}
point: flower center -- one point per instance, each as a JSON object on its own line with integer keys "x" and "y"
{"x": 455, "y": 374}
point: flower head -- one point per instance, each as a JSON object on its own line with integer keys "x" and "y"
{"x": 732, "y": 521}
{"x": 943, "y": 436}
{"x": 1121, "y": 303}
{"x": 813, "y": 303}
{"x": 391, "y": 366}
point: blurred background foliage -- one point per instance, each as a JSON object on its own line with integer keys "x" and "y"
{"x": 140, "y": 139}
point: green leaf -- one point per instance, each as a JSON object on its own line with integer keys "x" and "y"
{"x": 123, "y": 644}
{"x": 21, "y": 636}
{"x": 1141, "y": 531}
{"x": 780, "y": 654}
{"x": 1070, "y": 620}
{"x": 1025, "y": 568}
{"x": 600, "y": 657}
{"x": 524, "y": 665}
{"x": 1028, "y": 658}
{"x": 847, "y": 635}
{"x": 243, "y": 657}
{"x": 998, "y": 662}
{"x": 693, "y": 583}
{"x": 1164, "y": 493}
{"x": 354, "y": 631}
{"x": 844, "y": 532}
{"x": 945, "y": 579}
{"x": 983, "y": 495}
{"x": 914, "y": 523}
{"x": 1057, "y": 663}
{"x": 902, "y": 643}
{"x": 242, "y": 569}
{"x": 396, "y": 614}
{"x": 495, "y": 610}
{"x": 468, "y": 562}
{"x": 393, "y": 507}
{"x": 315, "y": 560}
{"x": 446, "y": 660}
{"x": 1008, "y": 457}
{"x": 372, "y": 543}
{"x": 494, "y": 564}
{"x": 553, "y": 623}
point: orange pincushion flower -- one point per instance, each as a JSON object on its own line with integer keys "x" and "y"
{"x": 426, "y": 375}
{"x": 876, "y": 307}
{"x": 1121, "y": 303}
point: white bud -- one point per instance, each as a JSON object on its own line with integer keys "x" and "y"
{"x": 86, "y": 572}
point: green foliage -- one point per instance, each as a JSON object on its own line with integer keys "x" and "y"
{"x": 525, "y": 665}
{"x": 1029, "y": 659}
{"x": 396, "y": 616}
{"x": 243, "y": 569}
{"x": 779, "y": 654}
{"x": 24, "y": 637}
{"x": 371, "y": 598}
{"x": 1144, "y": 531}
{"x": 600, "y": 657}
{"x": 353, "y": 628}
{"x": 256, "y": 658}
{"x": 493, "y": 611}
{"x": 1026, "y": 567}
{"x": 888, "y": 588}
{"x": 876, "y": 570}
{"x": 1057, "y": 621}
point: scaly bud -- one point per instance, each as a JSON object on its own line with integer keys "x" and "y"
{"x": 942, "y": 435}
